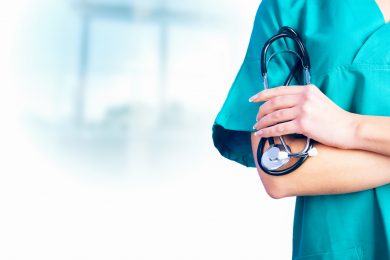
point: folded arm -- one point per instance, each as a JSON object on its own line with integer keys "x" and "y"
{"x": 306, "y": 110}
{"x": 372, "y": 134}
{"x": 354, "y": 150}
{"x": 333, "y": 171}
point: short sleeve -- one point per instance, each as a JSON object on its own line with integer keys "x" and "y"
{"x": 234, "y": 122}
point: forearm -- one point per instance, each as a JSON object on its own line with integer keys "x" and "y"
{"x": 372, "y": 134}
{"x": 306, "y": 110}
{"x": 333, "y": 171}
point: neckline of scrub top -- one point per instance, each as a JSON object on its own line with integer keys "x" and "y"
{"x": 381, "y": 14}
{"x": 375, "y": 50}
{"x": 372, "y": 37}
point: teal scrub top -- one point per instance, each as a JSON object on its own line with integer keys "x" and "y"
{"x": 349, "y": 45}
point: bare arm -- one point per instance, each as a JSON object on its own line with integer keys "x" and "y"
{"x": 354, "y": 150}
{"x": 333, "y": 171}
{"x": 373, "y": 134}
{"x": 306, "y": 110}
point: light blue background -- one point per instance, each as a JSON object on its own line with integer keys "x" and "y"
{"x": 132, "y": 173}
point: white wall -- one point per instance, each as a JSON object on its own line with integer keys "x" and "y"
{"x": 136, "y": 184}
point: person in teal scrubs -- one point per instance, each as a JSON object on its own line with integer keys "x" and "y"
{"x": 342, "y": 206}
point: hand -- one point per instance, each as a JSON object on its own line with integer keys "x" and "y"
{"x": 304, "y": 110}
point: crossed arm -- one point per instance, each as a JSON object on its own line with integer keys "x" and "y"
{"x": 333, "y": 171}
{"x": 353, "y": 156}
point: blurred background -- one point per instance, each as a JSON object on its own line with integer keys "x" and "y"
{"x": 107, "y": 108}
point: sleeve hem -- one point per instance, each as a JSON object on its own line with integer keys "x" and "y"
{"x": 234, "y": 145}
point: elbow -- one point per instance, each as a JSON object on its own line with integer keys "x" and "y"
{"x": 276, "y": 190}
{"x": 277, "y": 187}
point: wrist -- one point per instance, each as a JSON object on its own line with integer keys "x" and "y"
{"x": 359, "y": 131}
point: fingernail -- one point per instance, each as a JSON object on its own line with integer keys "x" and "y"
{"x": 258, "y": 133}
{"x": 252, "y": 98}
{"x": 254, "y": 127}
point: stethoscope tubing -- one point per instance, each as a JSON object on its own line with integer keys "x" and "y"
{"x": 304, "y": 60}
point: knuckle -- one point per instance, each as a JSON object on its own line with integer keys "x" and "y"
{"x": 261, "y": 123}
{"x": 276, "y": 101}
{"x": 271, "y": 102}
{"x": 281, "y": 113}
{"x": 306, "y": 94}
{"x": 274, "y": 115}
{"x": 263, "y": 109}
{"x": 279, "y": 129}
{"x": 305, "y": 109}
{"x": 284, "y": 99}
{"x": 302, "y": 125}
{"x": 261, "y": 112}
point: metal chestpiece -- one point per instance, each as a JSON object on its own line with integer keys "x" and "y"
{"x": 275, "y": 157}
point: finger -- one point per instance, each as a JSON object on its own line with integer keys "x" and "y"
{"x": 290, "y": 127}
{"x": 267, "y": 94}
{"x": 276, "y": 117}
{"x": 277, "y": 103}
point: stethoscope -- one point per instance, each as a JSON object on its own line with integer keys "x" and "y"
{"x": 278, "y": 155}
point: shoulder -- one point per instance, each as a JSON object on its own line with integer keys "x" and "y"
{"x": 270, "y": 17}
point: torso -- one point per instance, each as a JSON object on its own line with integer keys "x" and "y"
{"x": 346, "y": 224}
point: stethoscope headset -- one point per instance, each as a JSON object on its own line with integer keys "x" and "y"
{"x": 278, "y": 155}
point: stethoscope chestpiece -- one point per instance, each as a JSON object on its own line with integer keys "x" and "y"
{"x": 274, "y": 157}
